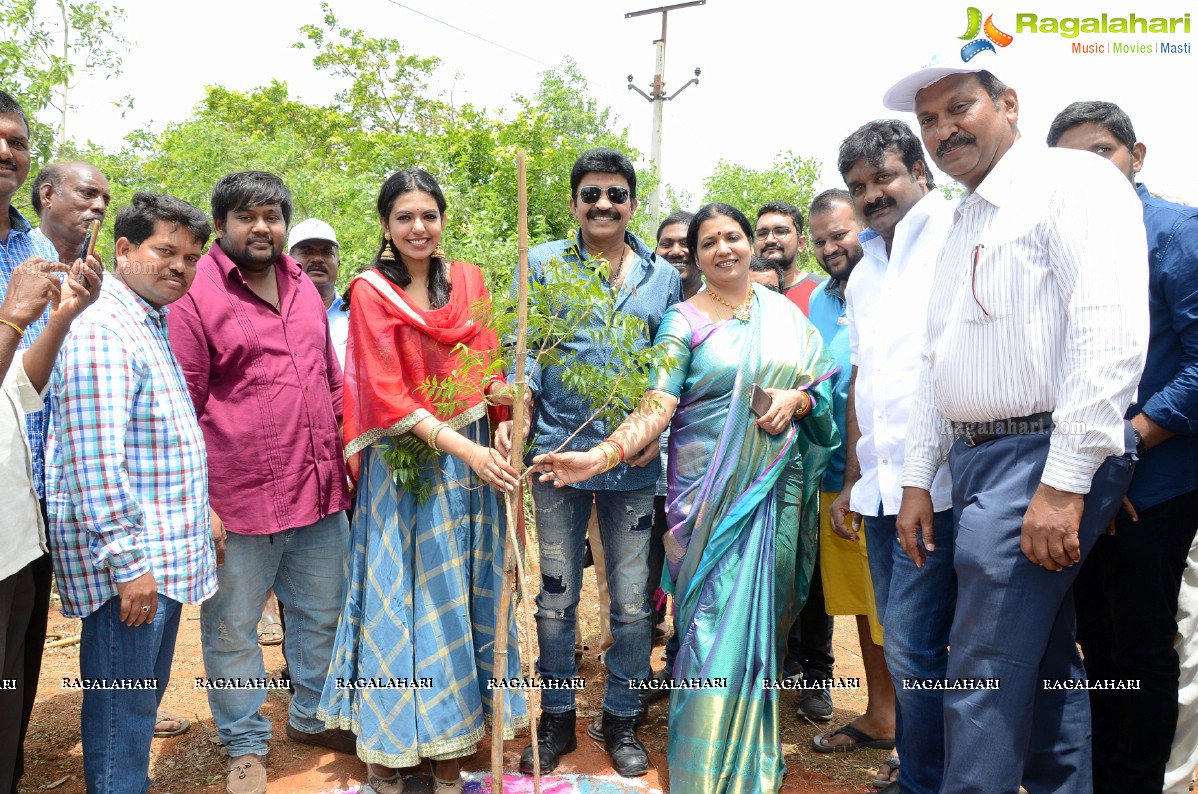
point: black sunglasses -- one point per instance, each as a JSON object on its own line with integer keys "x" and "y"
{"x": 591, "y": 193}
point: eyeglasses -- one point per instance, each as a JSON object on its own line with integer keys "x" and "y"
{"x": 779, "y": 232}
{"x": 591, "y": 193}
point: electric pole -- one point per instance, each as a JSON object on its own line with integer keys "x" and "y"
{"x": 657, "y": 96}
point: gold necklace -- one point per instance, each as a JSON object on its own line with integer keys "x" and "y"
{"x": 740, "y": 312}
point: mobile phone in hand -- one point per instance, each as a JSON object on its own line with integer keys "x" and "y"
{"x": 89, "y": 242}
{"x": 759, "y": 401}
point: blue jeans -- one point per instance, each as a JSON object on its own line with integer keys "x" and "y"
{"x": 625, "y": 518}
{"x": 915, "y": 605}
{"x": 1015, "y": 623}
{"x": 307, "y": 569}
{"x": 118, "y": 724}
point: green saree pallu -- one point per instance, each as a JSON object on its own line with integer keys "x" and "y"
{"x": 742, "y": 509}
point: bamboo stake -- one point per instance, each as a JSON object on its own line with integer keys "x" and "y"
{"x": 511, "y": 549}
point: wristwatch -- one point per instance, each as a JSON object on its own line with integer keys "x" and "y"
{"x": 1141, "y": 447}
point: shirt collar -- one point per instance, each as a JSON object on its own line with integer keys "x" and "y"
{"x": 284, "y": 264}
{"x": 132, "y": 302}
{"x": 639, "y": 250}
{"x": 17, "y": 220}
{"x": 1142, "y": 191}
{"x": 1000, "y": 185}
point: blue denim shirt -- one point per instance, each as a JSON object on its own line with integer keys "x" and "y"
{"x": 1168, "y": 393}
{"x": 650, "y": 287}
{"x": 23, "y": 242}
{"x": 827, "y": 313}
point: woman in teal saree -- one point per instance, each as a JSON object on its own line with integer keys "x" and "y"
{"x": 742, "y": 503}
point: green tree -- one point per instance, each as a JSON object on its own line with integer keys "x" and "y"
{"x": 386, "y": 87}
{"x": 42, "y": 52}
{"x": 791, "y": 178}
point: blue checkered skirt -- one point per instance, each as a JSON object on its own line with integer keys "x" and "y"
{"x": 414, "y": 648}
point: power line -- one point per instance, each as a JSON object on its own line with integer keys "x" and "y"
{"x": 503, "y": 47}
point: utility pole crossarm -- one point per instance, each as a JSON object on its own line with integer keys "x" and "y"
{"x": 657, "y": 95}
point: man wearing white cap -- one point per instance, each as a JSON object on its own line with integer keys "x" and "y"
{"x": 1037, "y": 330}
{"x": 313, "y": 244}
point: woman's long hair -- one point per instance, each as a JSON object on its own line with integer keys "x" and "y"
{"x": 394, "y": 269}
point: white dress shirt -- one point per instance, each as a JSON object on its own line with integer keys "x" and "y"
{"x": 887, "y": 300}
{"x": 1052, "y": 317}
{"x": 338, "y": 328}
{"x": 22, "y": 533}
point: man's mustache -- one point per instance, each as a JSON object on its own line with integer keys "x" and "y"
{"x": 958, "y": 139}
{"x": 596, "y": 215}
{"x": 881, "y": 204}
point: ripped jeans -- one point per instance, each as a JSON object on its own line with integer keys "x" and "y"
{"x": 625, "y": 518}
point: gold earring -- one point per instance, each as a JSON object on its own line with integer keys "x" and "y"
{"x": 438, "y": 252}
{"x": 387, "y": 254}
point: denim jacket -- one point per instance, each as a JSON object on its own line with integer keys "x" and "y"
{"x": 650, "y": 287}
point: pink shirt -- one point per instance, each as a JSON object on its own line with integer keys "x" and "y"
{"x": 267, "y": 390}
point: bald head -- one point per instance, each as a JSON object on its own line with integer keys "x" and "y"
{"x": 67, "y": 198}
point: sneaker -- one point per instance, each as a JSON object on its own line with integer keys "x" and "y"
{"x": 816, "y": 705}
{"x": 246, "y": 775}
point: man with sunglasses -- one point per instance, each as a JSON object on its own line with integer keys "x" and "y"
{"x": 602, "y": 200}
{"x": 1036, "y": 339}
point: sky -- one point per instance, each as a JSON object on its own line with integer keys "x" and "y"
{"x": 776, "y": 76}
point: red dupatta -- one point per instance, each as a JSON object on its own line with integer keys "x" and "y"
{"x": 395, "y": 346}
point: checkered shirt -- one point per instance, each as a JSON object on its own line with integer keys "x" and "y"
{"x": 126, "y": 469}
{"x": 23, "y": 242}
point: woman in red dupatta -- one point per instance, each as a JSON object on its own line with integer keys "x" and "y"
{"x": 416, "y": 637}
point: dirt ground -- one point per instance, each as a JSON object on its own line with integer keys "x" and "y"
{"x": 196, "y": 761}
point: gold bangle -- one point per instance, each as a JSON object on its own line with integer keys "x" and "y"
{"x": 611, "y": 455}
{"x": 432, "y": 435}
{"x": 803, "y": 409}
{"x": 20, "y": 331}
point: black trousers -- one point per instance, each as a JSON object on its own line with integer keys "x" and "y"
{"x": 1126, "y": 597}
{"x": 16, "y": 606}
{"x": 809, "y": 645}
{"x": 42, "y": 570}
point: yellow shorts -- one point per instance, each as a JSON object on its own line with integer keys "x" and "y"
{"x": 844, "y": 566}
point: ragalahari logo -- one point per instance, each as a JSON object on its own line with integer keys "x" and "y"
{"x": 976, "y": 45}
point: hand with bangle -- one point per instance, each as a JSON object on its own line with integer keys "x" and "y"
{"x": 566, "y": 468}
{"x": 787, "y": 405}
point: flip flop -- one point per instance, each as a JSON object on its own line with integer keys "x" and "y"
{"x": 882, "y": 782}
{"x": 861, "y": 741}
{"x": 270, "y": 631}
{"x": 164, "y": 716}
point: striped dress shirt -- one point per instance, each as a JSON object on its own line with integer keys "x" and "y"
{"x": 1040, "y": 303}
{"x": 126, "y": 469}
{"x": 24, "y": 242}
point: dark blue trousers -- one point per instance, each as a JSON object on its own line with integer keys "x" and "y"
{"x": 1015, "y": 623}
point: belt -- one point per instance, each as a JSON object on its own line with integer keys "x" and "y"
{"x": 974, "y": 433}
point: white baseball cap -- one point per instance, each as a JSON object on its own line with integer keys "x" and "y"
{"x": 901, "y": 95}
{"x": 311, "y": 229}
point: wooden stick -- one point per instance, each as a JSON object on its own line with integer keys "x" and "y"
{"x": 64, "y": 643}
{"x": 511, "y": 550}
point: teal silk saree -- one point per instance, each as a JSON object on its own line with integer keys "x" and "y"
{"x": 742, "y": 510}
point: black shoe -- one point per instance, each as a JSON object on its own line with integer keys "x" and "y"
{"x": 555, "y": 736}
{"x": 628, "y": 756}
{"x": 595, "y": 728}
